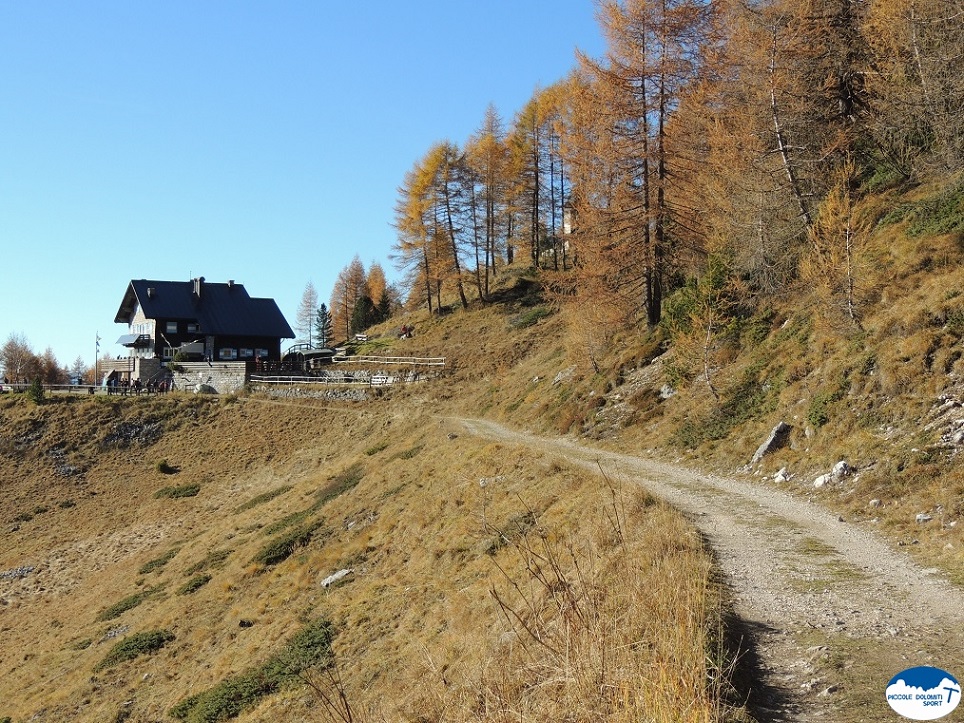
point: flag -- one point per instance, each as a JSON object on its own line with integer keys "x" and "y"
{"x": 98, "y": 342}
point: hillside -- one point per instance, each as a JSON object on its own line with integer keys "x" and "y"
{"x": 196, "y": 532}
{"x": 488, "y": 579}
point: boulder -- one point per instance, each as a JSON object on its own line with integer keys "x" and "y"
{"x": 822, "y": 481}
{"x": 841, "y": 469}
{"x": 778, "y": 436}
{"x": 335, "y": 577}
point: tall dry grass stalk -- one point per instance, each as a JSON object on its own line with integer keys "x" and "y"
{"x": 620, "y": 625}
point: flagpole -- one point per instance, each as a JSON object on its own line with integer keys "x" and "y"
{"x": 96, "y": 354}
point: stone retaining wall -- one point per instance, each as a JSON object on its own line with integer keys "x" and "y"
{"x": 219, "y": 377}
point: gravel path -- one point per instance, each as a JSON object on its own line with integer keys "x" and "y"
{"x": 829, "y": 611}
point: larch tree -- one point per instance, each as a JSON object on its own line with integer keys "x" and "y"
{"x": 306, "y": 314}
{"x": 917, "y": 87}
{"x": 376, "y": 283}
{"x": 447, "y": 165}
{"x": 836, "y": 264}
{"x": 349, "y": 287}
{"x": 412, "y": 253}
{"x": 487, "y": 158}
{"x": 51, "y": 371}
{"x": 537, "y": 190}
{"x": 654, "y": 53}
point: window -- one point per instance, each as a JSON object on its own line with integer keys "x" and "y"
{"x": 261, "y": 353}
{"x": 228, "y": 354}
{"x": 171, "y": 327}
{"x": 245, "y": 353}
{"x": 168, "y": 353}
{"x": 193, "y": 327}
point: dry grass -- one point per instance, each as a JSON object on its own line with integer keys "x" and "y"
{"x": 488, "y": 583}
{"x": 444, "y": 534}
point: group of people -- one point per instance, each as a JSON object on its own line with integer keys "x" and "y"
{"x": 125, "y": 386}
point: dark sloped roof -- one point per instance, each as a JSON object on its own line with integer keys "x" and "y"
{"x": 221, "y": 308}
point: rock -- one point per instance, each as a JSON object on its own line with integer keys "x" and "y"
{"x": 778, "y": 435}
{"x": 923, "y": 517}
{"x": 822, "y": 481}
{"x": 666, "y": 391}
{"x": 335, "y": 577}
{"x": 564, "y": 376}
{"x": 782, "y": 476}
{"x": 840, "y": 470}
{"x": 875, "y": 503}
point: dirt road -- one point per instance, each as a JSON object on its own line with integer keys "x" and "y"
{"x": 829, "y": 611}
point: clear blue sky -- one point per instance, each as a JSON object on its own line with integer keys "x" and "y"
{"x": 257, "y": 141}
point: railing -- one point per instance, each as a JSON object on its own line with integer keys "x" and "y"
{"x": 343, "y": 380}
{"x": 395, "y": 360}
{"x": 20, "y": 387}
{"x": 64, "y": 388}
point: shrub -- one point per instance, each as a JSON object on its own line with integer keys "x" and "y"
{"x": 194, "y": 584}
{"x": 411, "y": 452}
{"x": 289, "y": 520}
{"x": 376, "y": 448}
{"x": 164, "y": 468}
{"x": 174, "y": 493}
{"x": 35, "y": 392}
{"x": 158, "y": 562}
{"x": 531, "y": 317}
{"x": 136, "y": 645}
{"x": 128, "y": 603}
{"x": 309, "y": 648}
{"x": 262, "y": 498}
{"x": 214, "y": 559}
{"x": 281, "y": 548}
{"x": 344, "y": 481}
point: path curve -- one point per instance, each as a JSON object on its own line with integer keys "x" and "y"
{"x": 833, "y": 611}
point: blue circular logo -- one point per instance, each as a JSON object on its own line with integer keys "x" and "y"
{"x": 923, "y": 693}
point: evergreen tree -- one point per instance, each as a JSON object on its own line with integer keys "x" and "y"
{"x": 364, "y": 314}
{"x": 324, "y": 329}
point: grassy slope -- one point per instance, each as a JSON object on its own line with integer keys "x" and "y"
{"x": 419, "y": 629}
{"x": 389, "y": 489}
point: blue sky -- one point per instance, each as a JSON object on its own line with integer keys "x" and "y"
{"x": 257, "y": 141}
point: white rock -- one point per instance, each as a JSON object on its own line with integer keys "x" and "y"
{"x": 335, "y": 577}
{"x": 840, "y": 470}
{"x": 822, "y": 481}
{"x": 923, "y": 517}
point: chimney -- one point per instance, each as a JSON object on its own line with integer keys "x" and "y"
{"x": 150, "y": 292}
{"x": 198, "y": 285}
{"x": 230, "y": 283}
